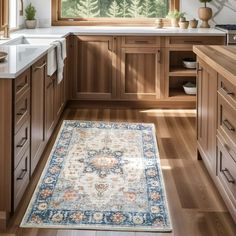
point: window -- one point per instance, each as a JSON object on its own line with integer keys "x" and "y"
{"x": 109, "y": 11}
{"x": 114, "y": 8}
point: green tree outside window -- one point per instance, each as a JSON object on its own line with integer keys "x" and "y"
{"x": 114, "y": 8}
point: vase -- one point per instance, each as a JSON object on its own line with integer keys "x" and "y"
{"x": 174, "y": 22}
{"x": 30, "y": 24}
{"x": 205, "y": 14}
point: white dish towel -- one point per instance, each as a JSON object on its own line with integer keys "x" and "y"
{"x": 60, "y": 57}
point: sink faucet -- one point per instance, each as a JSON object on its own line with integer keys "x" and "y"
{"x": 6, "y": 33}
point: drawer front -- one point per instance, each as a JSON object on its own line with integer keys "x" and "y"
{"x": 227, "y": 90}
{"x": 143, "y": 41}
{"x": 22, "y": 84}
{"x": 21, "y": 178}
{"x": 226, "y": 118}
{"x": 226, "y": 171}
{"x": 185, "y": 41}
{"x": 21, "y": 142}
{"x": 22, "y": 111}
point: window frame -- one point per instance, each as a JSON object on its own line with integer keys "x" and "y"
{"x": 57, "y": 20}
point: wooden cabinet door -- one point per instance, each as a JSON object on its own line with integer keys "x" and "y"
{"x": 49, "y": 105}
{"x": 95, "y": 67}
{"x": 140, "y": 73}
{"x": 207, "y": 113}
{"x": 59, "y": 98}
{"x": 38, "y": 136}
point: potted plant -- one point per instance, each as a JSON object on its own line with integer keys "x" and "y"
{"x": 30, "y": 21}
{"x": 205, "y": 14}
{"x": 175, "y": 16}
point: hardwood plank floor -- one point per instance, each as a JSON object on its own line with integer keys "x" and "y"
{"x": 196, "y": 207}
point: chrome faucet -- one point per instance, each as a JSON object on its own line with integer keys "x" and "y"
{"x": 6, "y": 32}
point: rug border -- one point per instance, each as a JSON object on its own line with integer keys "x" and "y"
{"x": 98, "y": 227}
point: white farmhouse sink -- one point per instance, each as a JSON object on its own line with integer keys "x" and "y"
{"x": 51, "y": 56}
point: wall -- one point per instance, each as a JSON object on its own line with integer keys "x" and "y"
{"x": 43, "y": 13}
{"x": 224, "y": 10}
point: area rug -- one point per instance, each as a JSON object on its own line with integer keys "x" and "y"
{"x": 101, "y": 176}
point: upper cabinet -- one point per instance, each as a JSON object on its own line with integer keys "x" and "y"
{"x": 95, "y": 67}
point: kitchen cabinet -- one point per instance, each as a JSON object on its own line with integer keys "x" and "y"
{"x": 134, "y": 68}
{"x": 95, "y": 67}
{"x": 216, "y": 125}
{"x": 207, "y": 113}
{"x": 140, "y": 73}
{"x": 54, "y": 102}
{"x": 38, "y": 136}
{"x": 49, "y": 105}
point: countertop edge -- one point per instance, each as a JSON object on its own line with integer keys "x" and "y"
{"x": 12, "y": 76}
{"x": 216, "y": 66}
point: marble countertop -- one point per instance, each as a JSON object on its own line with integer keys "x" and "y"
{"x": 63, "y": 31}
{"x": 20, "y": 57}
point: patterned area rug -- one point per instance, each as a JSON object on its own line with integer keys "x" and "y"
{"x": 101, "y": 176}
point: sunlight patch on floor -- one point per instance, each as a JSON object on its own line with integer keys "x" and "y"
{"x": 170, "y": 112}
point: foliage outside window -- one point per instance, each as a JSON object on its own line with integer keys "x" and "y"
{"x": 114, "y": 8}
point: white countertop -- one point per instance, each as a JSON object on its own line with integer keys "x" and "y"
{"x": 20, "y": 57}
{"x": 62, "y": 31}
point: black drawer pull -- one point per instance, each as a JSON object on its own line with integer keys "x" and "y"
{"x": 19, "y": 87}
{"x": 23, "y": 171}
{"x": 228, "y": 150}
{"x": 22, "y": 175}
{"x": 40, "y": 67}
{"x": 228, "y": 125}
{"x": 22, "y": 112}
{"x": 22, "y": 142}
{"x": 227, "y": 92}
{"x": 192, "y": 41}
{"x": 228, "y": 176}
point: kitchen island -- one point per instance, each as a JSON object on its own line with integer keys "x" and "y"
{"x": 216, "y": 112}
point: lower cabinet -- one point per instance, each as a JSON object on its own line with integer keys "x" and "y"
{"x": 94, "y": 67}
{"x": 54, "y": 102}
{"x": 30, "y": 108}
{"x": 206, "y": 113}
{"x": 216, "y": 133}
{"x": 38, "y": 135}
{"x": 140, "y": 73}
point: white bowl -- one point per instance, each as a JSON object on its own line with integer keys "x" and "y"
{"x": 189, "y": 63}
{"x": 190, "y": 90}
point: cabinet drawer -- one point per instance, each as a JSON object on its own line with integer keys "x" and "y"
{"x": 21, "y": 178}
{"x": 179, "y": 41}
{"x": 227, "y": 90}
{"x": 141, "y": 41}
{"x": 226, "y": 171}
{"x": 22, "y": 84}
{"x": 226, "y": 118}
{"x": 22, "y": 110}
{"x": 21, "y": 142}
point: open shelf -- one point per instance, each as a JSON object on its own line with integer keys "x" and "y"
{"x": 179, "y": 94}
{"x": 181, "y": 71}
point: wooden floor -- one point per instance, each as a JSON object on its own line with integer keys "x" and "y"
{"x": 196, "y": 207}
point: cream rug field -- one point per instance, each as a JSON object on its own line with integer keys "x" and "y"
{"x": 101, "y": 176}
